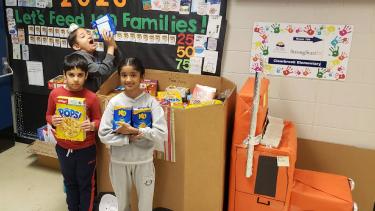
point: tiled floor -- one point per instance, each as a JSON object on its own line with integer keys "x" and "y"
{"x": 26, "y": 186}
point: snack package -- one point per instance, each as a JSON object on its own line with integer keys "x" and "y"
{"x": 102, "y": 24}
{"x": 178, "y": 105}
{"x": 141, "y": 117}
{"x": 182, "y": 90}
{"x": 172, "y": 96}
{"x": 150, "y": 86}
{"x": 121, "y": 114}
{"x": 202, "y": 93}
{"x": 204, "y": 103}
{"x": 73, "y": 111}
{"x": 56, "y": 82}
{"x": 42, "y": 133}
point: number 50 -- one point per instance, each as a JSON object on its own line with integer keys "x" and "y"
{"x": 187, "y": 51}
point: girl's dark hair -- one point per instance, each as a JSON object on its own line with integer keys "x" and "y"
{"x": 134, "y": 62}
{"x": 75, "y": 60}
{"x": 72, "y": 38}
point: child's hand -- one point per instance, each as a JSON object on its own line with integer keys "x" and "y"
{"x": 127, "y": 129}
{"x": 88, "y": 126}
{"x": 56, "y": 120}
{"x": 135, "y": 137}
{"x": 109, "y": 39}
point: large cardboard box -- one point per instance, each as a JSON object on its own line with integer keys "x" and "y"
{"x": 46, "y": 154}
{"x": 196, "y": 181}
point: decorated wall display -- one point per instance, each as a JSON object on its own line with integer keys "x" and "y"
{"x": 164, "y": 34}
{"x": 173, "y": 35}
{"x": 301, "y": 50}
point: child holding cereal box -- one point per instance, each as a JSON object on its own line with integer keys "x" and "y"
{"x": 74, "y": 111}
{"x": 82, "y": 42}
{"x": 133, "y": 136}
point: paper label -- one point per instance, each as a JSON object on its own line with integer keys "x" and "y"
{"x": 283, "y": 161}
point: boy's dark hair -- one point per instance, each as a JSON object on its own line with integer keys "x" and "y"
{"x": 134, "y": 62}
{"x": 75, "y": 60}
{"x": 72, "y": 38}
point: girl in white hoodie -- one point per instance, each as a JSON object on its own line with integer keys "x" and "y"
{"x": 132, "y": 148}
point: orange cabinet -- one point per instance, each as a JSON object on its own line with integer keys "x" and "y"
{"x": 270, "y": 186}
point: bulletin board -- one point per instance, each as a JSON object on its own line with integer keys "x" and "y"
{"x": 173, "y": 35}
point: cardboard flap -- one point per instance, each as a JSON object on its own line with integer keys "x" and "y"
{"x": 43, "y": 148}
{"x": 166, "y": 78}
{"x": 335, "y": 185}
{"x": 110, "y": 84}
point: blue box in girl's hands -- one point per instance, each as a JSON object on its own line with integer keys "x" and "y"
{"x": 121, "y": 114}
{"x": 141, "y": 118}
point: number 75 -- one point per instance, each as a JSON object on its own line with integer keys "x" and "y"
{"x": 184, "y": 63}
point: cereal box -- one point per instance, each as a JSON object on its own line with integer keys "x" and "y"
{"x": 56, "y": 82}
{"x": 73, "y": 111}
{"x": 150, "y": 86}
{"x": 141, "y": 117}
{"x": 121, "y": 114}
{"x": 171, "y": 96}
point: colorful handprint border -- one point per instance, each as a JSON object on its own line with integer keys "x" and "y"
{"x": 284, "y": 50}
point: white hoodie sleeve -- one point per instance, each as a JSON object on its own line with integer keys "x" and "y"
{"x": 106, "y": 133}
{"x": 159, "y": 131}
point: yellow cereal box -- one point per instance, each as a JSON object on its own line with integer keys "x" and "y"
{"x": 73, "y": 111}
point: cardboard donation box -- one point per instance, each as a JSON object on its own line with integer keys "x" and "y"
{"x": 320, "y": 191}
{"x": 46, "y": 154}
{"x": 195, "y": 181}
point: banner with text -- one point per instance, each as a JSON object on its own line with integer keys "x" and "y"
{"x": 301, "y": 50}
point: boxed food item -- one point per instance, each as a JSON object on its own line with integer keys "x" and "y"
{"x": 202, "y": 93}
{"x": 142, "y": 118}
{"x": 150, "y": 86}
{"x": 42, "y": 132}
{"x": 56, "y": 82}
{"x": 183, "y": 91}
{"x": 104, "y": 24}
{"x": 73, "y": 111}
{"x": 121, "y": 114}
{"x": 170, "y": 96}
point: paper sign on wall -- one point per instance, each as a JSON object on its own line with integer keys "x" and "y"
{"x": 210, "y": 61}
{"x": 35, "y": 73}
{"x": 302, "y": 50}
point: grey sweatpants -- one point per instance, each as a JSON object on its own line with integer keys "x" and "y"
{"x": 122, "y": 178}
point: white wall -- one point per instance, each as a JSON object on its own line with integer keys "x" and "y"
{"x": 330, "y": 111}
